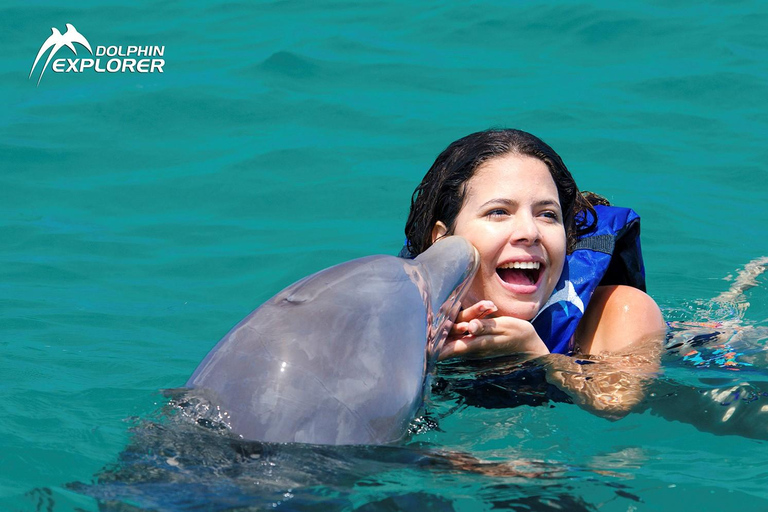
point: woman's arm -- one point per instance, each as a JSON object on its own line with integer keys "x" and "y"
{"x": 618, "y": 341}
{"x": 618, "y": 346}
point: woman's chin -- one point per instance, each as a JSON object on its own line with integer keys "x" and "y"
{"x": 521, "y": 310}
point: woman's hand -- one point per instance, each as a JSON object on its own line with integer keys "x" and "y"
{"x": 476, "y": 335}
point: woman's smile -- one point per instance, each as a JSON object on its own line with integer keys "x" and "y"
{"x": 521, "y": 276}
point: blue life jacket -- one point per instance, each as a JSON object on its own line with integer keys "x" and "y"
{"x": 609, "y": 255}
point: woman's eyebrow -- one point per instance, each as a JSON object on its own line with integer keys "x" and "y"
{"x": 503, "y": 201}
{"x": 498, "y": 201}
{"x": 547, "y": 202}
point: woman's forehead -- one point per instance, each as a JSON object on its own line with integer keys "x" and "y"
{"x": 510, "y": 176}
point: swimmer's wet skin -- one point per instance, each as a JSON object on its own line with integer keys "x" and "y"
{"x": 724, "y": 344}
{"x": 745, "y": 279}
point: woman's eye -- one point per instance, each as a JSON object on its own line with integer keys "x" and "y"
{"x": 496, "y": 212}
{"x": 551, "y": 215}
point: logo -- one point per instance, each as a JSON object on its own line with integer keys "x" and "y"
{"x": 133, "y": 59}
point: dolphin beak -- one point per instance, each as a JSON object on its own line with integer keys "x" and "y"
{"x": 448, "y": 266}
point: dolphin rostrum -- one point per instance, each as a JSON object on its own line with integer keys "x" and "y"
{"x": 342, "y": 356}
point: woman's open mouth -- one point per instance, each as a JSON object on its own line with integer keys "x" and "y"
{"x": 520, "y": 273}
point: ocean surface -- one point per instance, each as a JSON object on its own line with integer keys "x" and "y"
{"x": 142, "y": 215}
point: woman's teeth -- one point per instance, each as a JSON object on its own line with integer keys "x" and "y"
{"x": 522, "y": 265}
{"x": 520, "y": 272}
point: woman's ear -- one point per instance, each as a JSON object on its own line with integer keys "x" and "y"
{"x": 439, "y": 231}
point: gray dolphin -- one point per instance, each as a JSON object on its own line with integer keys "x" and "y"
{"x": 342, "y": 356}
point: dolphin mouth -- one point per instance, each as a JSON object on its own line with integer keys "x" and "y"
{"x": 444, "y": 318}
{"x": 447, "y": 270}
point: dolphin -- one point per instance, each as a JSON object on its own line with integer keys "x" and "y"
{"x": 342, "y": 357}
{"x": 57, "y": 40}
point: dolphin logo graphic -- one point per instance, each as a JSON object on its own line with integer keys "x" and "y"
{"x": 565, "y": 294}
{"x": 56, "y": 41}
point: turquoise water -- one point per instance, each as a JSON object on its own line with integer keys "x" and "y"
{"x": 143, "y": 215}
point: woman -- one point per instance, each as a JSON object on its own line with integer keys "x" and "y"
{"x": 510, "y": 194}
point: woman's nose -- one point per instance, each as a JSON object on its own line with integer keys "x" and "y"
{"x": 525, "y": 230}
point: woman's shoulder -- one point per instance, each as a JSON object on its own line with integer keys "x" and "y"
{"x": 618, "y": 316}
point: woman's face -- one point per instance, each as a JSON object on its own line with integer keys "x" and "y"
{"x": 511, "y": 214}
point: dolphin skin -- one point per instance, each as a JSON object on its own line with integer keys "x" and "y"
{"x": 343, "y": 356}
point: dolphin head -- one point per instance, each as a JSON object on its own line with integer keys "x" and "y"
{"x": 445, "y": 272}
{"x": 320, "y": 361}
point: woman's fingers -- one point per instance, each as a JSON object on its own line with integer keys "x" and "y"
{"x": 475, "y": 346}
{"x": 451, "y": 349}
{"x": 491, "y": 337}
{"x": 459, "y": 330}
{"x": 461, "y": 327}
{"x": 472, "y": 328}
{"x": 477, "y": 327}
{"x": 486, "y": 345}
{"x": 479, "y": 310}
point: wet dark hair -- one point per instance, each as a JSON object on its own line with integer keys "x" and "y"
{"x": 441, "y": 193}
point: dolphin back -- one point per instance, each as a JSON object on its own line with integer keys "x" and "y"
{"x": 340, "y": 357}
